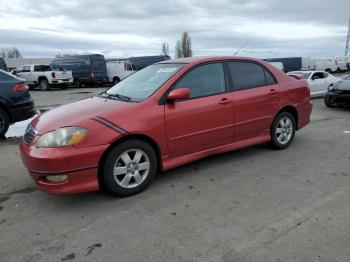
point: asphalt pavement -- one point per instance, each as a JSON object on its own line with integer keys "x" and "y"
{"x": 254, "y": 204}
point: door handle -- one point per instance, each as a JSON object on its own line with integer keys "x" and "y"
{"x": 225, "y": 101}
{"x": 273, "y": 91}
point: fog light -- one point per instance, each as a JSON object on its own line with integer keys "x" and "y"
{"x": 56, "y": 179}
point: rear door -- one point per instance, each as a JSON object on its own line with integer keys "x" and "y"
{"x": 204, "y": 121}
{"x": 256, "y": 99}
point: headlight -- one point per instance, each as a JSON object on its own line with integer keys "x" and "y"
{"x": 65, "y": 136}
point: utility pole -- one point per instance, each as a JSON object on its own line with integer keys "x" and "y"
{"x": 347, "y": 41}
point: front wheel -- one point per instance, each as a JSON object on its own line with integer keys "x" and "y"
{"x": 329, "y": 101}
{"x": 129, "y": 168}
{"x": 77, "y": 84}
{"x": 283, "y": 130}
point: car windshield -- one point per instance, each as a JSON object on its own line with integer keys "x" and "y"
{"x": 145, "y": 82}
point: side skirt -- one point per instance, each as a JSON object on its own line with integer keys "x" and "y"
{"x": 169, "y": 163}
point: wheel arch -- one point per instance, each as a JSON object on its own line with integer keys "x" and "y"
{"x": 4, "y": 107}
{"x": 145, "y": 138}
{"x": 292, "y": 110}
{"x": 42, "y": 78}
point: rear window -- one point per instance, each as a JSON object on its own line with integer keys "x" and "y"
{"x": 42, "y": 68}
{"x": 246, "y": 75}
{"x": 5, "y": 76}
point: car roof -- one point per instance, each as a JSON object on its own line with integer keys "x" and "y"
{"x": 198, "y": 60}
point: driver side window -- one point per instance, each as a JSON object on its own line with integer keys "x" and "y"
{"x": 204, "y": 80}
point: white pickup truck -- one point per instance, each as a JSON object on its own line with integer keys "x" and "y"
{"x": 44, "y": 77}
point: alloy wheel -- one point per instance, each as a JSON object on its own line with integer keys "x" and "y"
{"x": 131, "y": 168}
{"x": 284, "y": 130}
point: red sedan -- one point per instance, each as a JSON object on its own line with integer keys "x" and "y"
{"x": 161, "y": 117}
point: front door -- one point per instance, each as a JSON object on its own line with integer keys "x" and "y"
{"x": 206, "y": 119}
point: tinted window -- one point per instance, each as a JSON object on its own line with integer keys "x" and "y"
{"x": 204, "y": 81}
{"x": 26, "y": 69}
{"x": 247, "y": 75}
{"x": 270, "y": 79}
{"x": 42, "y": 68}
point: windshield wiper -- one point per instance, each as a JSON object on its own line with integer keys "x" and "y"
{"x": 121, "y": 97}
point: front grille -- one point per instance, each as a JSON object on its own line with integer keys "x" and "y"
{"x": 29, "y": 135}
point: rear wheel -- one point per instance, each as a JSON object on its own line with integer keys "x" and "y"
{"x": 44, "y": 85}
{"x": 283, "y": 130}
{"x": 116, "y": 80}
{"x": 129, "y": 168}
{"x": 4, "y": 122}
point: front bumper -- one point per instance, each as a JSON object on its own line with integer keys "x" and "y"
{"x": 342, "y": 97}
{"x": 79, "y": 164}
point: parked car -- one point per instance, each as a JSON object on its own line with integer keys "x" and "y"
{"x": 87, "y": 69}
{"x": 278, "y": 65}
{"x": 161, "y": 117}
{"x": 295, "y": 63}
{"x": 44, "y": 77}
{"x": 328, "y": 64}
{"x": 15, "y": 101}
{"x": 118, "y": 70}
{"x": 339, "y": 94}
{"x": 319, "y": 81}
{"x": 140, "y": 62}
{"x": 3, "y": 65}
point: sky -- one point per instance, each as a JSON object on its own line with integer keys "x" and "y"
{"x": 269, "y": 28}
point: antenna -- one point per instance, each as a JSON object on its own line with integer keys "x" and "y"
{"x": 245, "y": 43}
{"x": 347, "y": 41}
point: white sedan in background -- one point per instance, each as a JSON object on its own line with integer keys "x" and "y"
{"x": 319, "y": 81}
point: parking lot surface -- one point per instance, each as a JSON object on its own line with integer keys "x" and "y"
{"x": 254, "y": 204}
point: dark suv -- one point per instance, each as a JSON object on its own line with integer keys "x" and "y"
{"x": 15, "y": 101}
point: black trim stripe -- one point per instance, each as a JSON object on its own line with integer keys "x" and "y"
{"x": 113, "y": 124}
{"x": 106, "y": 125}
{"x": 43, "y": 173}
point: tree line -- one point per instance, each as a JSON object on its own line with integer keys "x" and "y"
{"x": 183, "y": 47}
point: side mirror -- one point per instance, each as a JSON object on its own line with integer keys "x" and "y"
{"x": 179, "y": 94}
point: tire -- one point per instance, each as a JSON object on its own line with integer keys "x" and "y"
{"x": 328, "y": 101}
{"x": 116, "y": 80}
{"x": 122, "y": 175}
{"x": 63, "y": 87}
{"x": 77, "y": 84}
{"x": 44, "y": 85}
{"x": 4, "y": 122}
{"x": 282, "y": 131}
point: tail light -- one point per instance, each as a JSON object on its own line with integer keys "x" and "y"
{"x": 53, "y": 74}
{"x": 92, "y": 74}
{"x": 20, "y": 87}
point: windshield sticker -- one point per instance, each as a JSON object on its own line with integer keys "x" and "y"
{"x": 167, "y": 70}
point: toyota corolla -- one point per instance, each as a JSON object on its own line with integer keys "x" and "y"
{"x": 161, "y": 117}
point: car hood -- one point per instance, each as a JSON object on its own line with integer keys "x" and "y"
{"x": 76, "y": 114}
{"x": 343, "y": 85}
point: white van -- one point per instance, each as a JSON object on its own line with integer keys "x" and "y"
{"x": 117, "y": 70}
{"x": 328, "y": 64}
